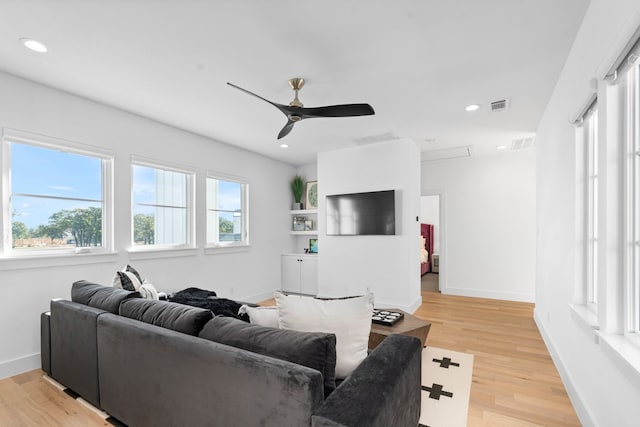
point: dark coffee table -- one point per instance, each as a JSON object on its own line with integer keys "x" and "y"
{"x": 408, "y": 325}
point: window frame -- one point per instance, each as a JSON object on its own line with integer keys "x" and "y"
{"x": 244, "y": 185}
{"x": 631, "y": 119}
{"x": 106, "y": 157}
{"x": 190, "y": 174}
{"x": 591, "y": 142}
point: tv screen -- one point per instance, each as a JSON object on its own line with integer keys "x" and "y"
{"x": 358, "y": 214}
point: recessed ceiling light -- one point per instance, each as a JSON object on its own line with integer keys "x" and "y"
{"x": 34, "y": 45}
{"x": 472, "y": 107}
{"x": 501, "y": 147}
{"x": 284, "y": 145}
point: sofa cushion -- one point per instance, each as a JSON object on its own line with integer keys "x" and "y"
{"x": 348, "y": 318}
{"x": 99, "y": 296}
{"x": 178, "y": 317}
{"x": 311, "y": 349}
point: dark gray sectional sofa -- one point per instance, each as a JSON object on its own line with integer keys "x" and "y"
{"x": 157, "y": 363}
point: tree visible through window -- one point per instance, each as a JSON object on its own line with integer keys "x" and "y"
{"x": 56, "y": 199}
{"x": 161, "y": 206}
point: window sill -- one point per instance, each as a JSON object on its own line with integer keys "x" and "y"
{"x": 624, "y": 353}
{"x": 49, "y": 260}
{"x": 219, "y": 250}
{"x": 153, "y": 253}
{"x": 587, "y": 319}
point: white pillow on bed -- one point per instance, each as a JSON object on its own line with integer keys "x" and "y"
{"x": 424, "y": 254}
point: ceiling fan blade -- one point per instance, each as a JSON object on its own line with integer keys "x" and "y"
{"x": 275, "y": 104}
{"x": 346, "y": 110}
{"x": 286, "y": 129}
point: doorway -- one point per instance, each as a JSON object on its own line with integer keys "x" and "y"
{"x": 430, "y": 212}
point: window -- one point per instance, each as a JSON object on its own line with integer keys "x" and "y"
{"x": 591, "y": 142}
{"x": 633, "y": 141}
{"x": 227, "y": 218}
{"x": 57, "y": 197}
{"x": 162, "y": 206}
{"x": 587, "y": 203}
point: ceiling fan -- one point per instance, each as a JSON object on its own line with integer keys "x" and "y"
{"x": 296, "y": 111}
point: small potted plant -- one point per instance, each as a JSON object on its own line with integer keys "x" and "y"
{"x": 297, "y": 186}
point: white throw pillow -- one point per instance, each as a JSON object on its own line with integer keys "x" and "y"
{"x": 349, "y": 319}
{"x": 126, "y": 280}
{"x": 263, "y": 316}
{"x": 148, "y": 291}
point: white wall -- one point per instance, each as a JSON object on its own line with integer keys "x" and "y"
{"x": 388, "y": 265}
{"x": 430, "y": 214}
{"x": 601, "y": 390}
{"x": 490, "y": 224}
{"x": 251, "y": 274}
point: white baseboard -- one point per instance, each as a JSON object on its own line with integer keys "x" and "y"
{"x": 583, "y": 413}
{"x": 507, "y": 296}
{"x": 413, "y": 307}
{"x": 20, "y": 365}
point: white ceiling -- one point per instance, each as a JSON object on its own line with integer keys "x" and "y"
{"x": 417, "y": 62}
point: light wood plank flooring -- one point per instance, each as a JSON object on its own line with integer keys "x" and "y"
{"x": 514, "y": 380}
{"x": 29, "y": 400}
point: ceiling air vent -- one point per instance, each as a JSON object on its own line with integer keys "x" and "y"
{"x": 446, "y": 153}
{"x": 523, "y": 143}
{"x": 500, "y": 105}
{"x": 373, "y": 139}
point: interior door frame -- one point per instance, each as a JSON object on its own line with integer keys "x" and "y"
{"x": 442, "y": 273}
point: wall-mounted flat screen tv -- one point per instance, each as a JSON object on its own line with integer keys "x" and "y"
{"x": 358, "y": 214}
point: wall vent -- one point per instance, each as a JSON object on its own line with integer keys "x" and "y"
{"x": 500, "y": 105}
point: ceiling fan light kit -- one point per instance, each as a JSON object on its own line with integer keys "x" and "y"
{"x": 296, "y": 111}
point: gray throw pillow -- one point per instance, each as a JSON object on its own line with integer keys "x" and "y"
{"x": 100, "y": 296}
{"x": 314, "y": 350}
{"x": 170, "y": 315}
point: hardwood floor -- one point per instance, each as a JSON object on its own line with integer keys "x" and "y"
{"x": 28, "y": 400}
{"x": 514, "y": 380}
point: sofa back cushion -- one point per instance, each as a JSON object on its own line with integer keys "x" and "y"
{"x": 314, "y": 350}
{"x": 170, "y": 315}
{"x": 99, "y": 296}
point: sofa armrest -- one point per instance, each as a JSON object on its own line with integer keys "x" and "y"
{"x": 74, "y": 348}
{"x": 45, "y": 342}
{"x": 383, "y": 391}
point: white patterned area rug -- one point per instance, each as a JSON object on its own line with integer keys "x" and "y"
{"x": 446, "y": 384}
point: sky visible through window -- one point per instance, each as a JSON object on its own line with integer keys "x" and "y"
{"x": 46, "y": 172}
{"x": 229, "y": 195}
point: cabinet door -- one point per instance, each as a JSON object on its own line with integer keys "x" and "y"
{"x": 309, "y": 275}
{"x": 290, "y": 273}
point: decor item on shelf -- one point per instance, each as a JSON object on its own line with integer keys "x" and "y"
{"x": 298, "y": 223}
{"x": 312, "y": 195}
{"x": 308, "y": 225}
{"x": 296, "y": 188}
{"x": 313, "y": 246}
